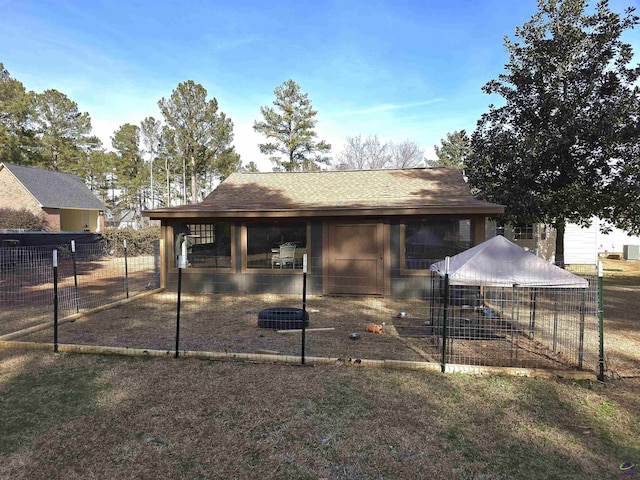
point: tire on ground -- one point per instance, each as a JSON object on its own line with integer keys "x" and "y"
{"x": 282, "y": 318}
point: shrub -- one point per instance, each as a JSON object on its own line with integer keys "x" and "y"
{"x": 139, "y": 241}
{"x": 21, "y": 219}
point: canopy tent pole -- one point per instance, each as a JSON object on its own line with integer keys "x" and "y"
{"x": 532, "y": 313}
{"x": 512, "y": 322}
{"x": 445, "y": 311}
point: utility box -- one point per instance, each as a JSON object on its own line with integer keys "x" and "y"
{"x": 631, "y": 252}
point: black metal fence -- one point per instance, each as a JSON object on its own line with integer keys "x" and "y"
{"x": 420, "y": 323}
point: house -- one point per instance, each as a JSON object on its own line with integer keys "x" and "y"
{"x": 66, "y": 202}
{"x": 582, "y": 245}
{"x": 537, "y": 238}
{"x": 368, "y": 232}
{"x": 123, "y": 219}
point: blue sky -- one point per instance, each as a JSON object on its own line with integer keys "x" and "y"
{"x": 402, "y": 70}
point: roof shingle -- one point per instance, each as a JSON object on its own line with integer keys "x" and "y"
{"x": 55, "y": 189}
{"x": 338, "y": 190}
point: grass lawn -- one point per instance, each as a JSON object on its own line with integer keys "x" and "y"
{"x": 85, "y": 416}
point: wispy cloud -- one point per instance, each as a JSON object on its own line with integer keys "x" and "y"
{"x": 387, "y": 107}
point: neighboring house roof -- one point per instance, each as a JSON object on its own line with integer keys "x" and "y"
{"x": 128, "y": 216}
{"x": 371, "y": 192}
{"x": 55, "y": 189}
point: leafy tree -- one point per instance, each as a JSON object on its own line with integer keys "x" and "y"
{"x": 64, "y": 133}
{"x": 250, "y": 167}
{"x": 17, "y": 139}
{"x": 289, "y": 127}
{"x": 624, "y": 210}
{"x": 150, "y": 129}
{"x": 101, "y": 177}
{"x": 454, "y": 151}
{"x": 228, "y": 162}
{"x": 199, "y": 134}
{"x": 129, "y": 168}
{"x": 171, "y": 161}
{"x": 567, "y": 135}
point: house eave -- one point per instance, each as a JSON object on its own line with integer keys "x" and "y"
{"x": 336, "y": 212}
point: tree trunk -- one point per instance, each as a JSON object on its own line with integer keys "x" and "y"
{"x": 560, "y": 244}
{"x": 151, "y": 171}
{"x": 168, "y": 172}
{"x": 194, "y": 180}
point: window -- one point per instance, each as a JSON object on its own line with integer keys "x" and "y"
{"x": 276, "y": 246}
{"x": 523, "y": 232}
{"x": 207, "y": 245}
{"x": 431, "y": 240}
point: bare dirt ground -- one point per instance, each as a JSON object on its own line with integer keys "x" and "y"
{"x": 229, "y": 323}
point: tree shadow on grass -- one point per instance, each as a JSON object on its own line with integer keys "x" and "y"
{"x": 44, "y": 398}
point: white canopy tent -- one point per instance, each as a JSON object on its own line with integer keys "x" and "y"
{"x": 501, "y": 263}
{"x": 504, "y": 272}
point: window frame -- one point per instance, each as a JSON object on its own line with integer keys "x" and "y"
{"x": 244, "y": 237}
{"x": 524, "y": 231}
{"x": 404, "y": 271}
{"x": 188, "y": 221}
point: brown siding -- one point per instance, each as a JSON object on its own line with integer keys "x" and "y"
{"x": 52, "y": 217}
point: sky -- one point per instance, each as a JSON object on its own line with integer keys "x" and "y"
{"x": 401, "y": 70}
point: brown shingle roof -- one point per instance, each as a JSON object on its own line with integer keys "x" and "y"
{"x": 335, "y": 191}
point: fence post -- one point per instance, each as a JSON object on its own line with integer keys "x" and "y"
{"x": 55, "y": 300}
{"x": 182, "y": 260}
{"x": 445, "y": 311}
{"x": 126, "y": 270}
{"x": 156, "y": 264}
{"x": 600, "y": 323}
{"x": 532, "y": 313}
{"x": 581, "y": 339}
{"x": 555, "y": 320}
{"x": 75, "y": 275}
{"x": 304, "y": 304}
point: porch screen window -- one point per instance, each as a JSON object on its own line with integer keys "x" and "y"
{"x": 264, "y": 243}
{"x": 208, "y": 245}
{"x": 428, "y": 241}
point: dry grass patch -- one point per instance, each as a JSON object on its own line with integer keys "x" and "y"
{"x": 76, "y": 416}
{"x": 622, "y": 317}
{"x": 82, "y": 416}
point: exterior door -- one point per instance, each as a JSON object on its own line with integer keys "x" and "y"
{"x": 356, "y": 252}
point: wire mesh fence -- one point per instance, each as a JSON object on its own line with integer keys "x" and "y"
{"x": 87, "y": 277}
{"x": 416, "y": 320}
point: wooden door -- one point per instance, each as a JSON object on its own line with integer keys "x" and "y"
{"x": 356, "y": 254}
